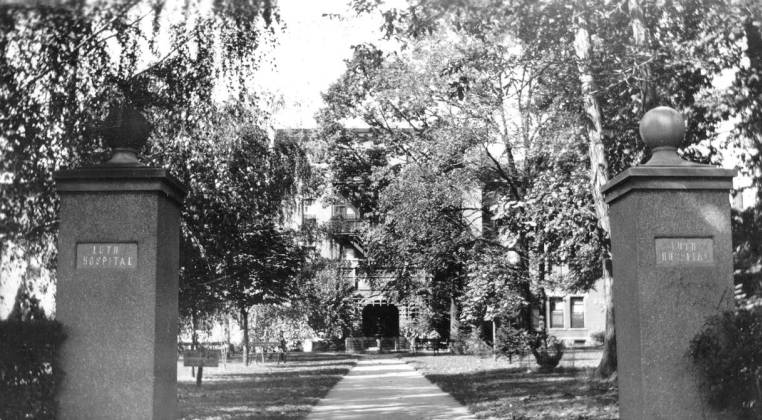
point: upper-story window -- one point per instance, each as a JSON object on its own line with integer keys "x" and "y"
{"x": 309, "y": 222}
{"x": 306, "y": 212}
{"x": 339, "y": 210}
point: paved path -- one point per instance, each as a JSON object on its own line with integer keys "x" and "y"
{"x": 387, "y": 389}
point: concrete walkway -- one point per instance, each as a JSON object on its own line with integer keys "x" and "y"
{"x": 387, "y": 389}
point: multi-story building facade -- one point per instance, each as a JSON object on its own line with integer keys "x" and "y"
{"x": 576, "y": 319}
{"x": 339, "y": 224}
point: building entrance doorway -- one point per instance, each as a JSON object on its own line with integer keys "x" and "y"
{"x": 380, "y": 320}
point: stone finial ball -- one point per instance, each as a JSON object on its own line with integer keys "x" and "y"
{"x": 662, "y": 127}
{"x": 125, "y": 128}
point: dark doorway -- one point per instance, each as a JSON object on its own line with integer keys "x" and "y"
{"x": 380, "y": 320}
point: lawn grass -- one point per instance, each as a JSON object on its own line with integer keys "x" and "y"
{"x": 500, "y": 390}
{"x": 260, "y": 391}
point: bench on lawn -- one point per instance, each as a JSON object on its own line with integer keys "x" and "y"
{"x": 266, "y": 350}
{"x": 431, "y": 344}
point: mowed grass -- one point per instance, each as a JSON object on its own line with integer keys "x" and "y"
{"x": 500, "y": 390}
{"x": 260, "y": 391}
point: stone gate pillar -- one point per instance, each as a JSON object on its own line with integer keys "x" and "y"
{"x": 117, "y": 286}
{"x": 672, "y": 261}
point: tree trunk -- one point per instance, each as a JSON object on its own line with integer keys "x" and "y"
{"x": 640, "y": 36}
{"x": 494, "y": 338}
{"x": 543, "y": 321}
{"x": 641, "y": 40}
{"x": 598, "y": 163}
{"x": 524, "y": 320}
{"x": 227, "y": 330}
{"x": 194, "y": 326}
{"x": 753, "y": 115}
{"x": 607, "y": 365}
{"x": 598, "y": 167}
{"x": 541, "y": 296}
{"x": 454, "y": 323}
{"x": 245, "y": 328}
{"x": 194, "y": 338}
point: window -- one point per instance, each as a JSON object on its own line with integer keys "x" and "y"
{"x": 309, "y": 221}
{"x": 340, "y": 211}
{"x": 412, "y": 313}
{"x": 577, "y": 312}
{"x": 536, "y": 319}
{"x": 556, "y": 313}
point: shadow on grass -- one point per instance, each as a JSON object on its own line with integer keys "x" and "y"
{"x": 514, "y": 393}
{"x": 266, "y": 391}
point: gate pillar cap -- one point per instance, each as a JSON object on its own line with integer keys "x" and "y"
{"x": 662, "y": 129}
{"x": 126, "y": 131}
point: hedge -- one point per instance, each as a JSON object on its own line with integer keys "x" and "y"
{"x": 30, "y": 372}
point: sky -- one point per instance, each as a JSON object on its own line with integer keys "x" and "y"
{"x": 311, "y": 54}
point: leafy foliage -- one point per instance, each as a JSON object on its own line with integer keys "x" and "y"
{"x": 742, "y": 101}
{"x": 237, "y": 253}
{"x": 274, "y": 321}
{"x": 329, "y": 299}
{"x": 492, "y": 285}
{"x": 353, "y": 162}
{"x": 507, "y": 73}
{"x": 512, "y": 342}
{"x": 747, "y": 249}
{"x": 30, "y": 372}
{"x": 62, "y": 64}
{"x": 239, "y": 184}
{"x": 728, "y": 354}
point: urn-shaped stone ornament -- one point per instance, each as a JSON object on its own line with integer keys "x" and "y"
{"x": 125, "y": 131}
{"x": 662, "y": 129}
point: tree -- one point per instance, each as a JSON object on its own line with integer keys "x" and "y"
{"x": 273, "y": 321}
{"x": 329, "y": 299}
{"x": 599, "y": 167}
{"x": 197, "y": 297}
{"x": 743, "y": 103}
{"x": 679, "y": 84}
{"x": 607, "y": 64}
{"x": 239, "y": 182}
{"x": 61, "y": 64}
{"x": 352, "y": 160}
{"x": 457, "y": 118}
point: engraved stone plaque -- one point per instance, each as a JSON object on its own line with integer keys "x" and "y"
{"x": 684, "y": 251}
{"x": 109, "y": 256}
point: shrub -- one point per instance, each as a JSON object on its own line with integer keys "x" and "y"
{"x": 728, "y": 353}
{"x": 547, "y": 350}
{"x": 29, "y": 368}
{"x": 469, "y": 343}
{"x": 330, "y": 345}
{"x": 512, "y": 342}
{"x": 599, "y": 337}
{"x": 458, "y": 346}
